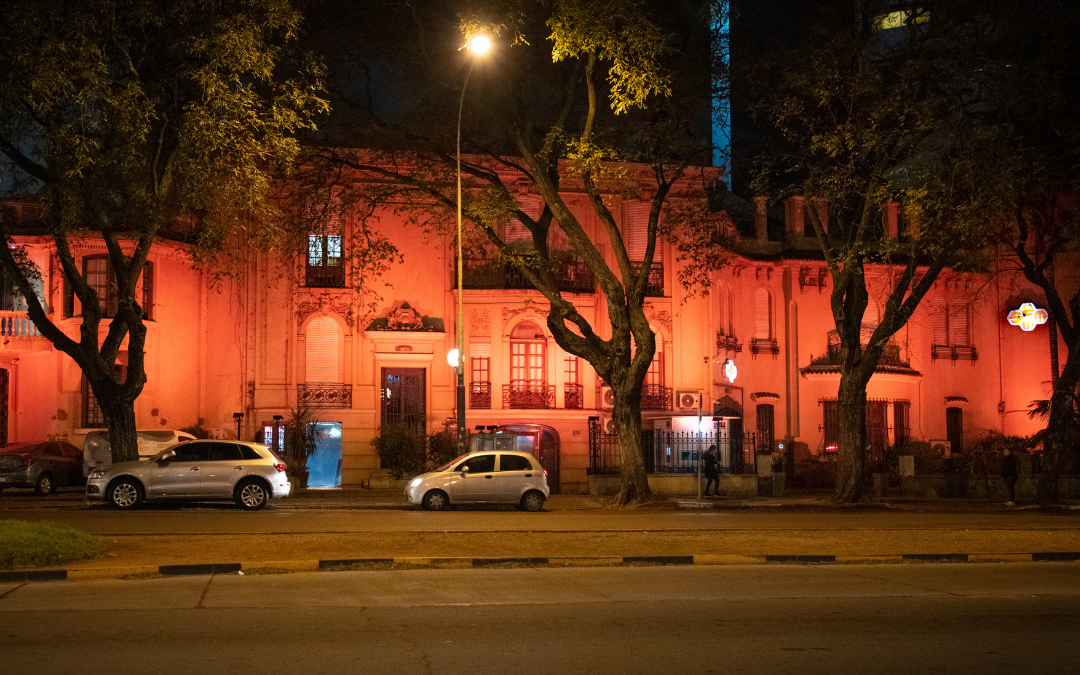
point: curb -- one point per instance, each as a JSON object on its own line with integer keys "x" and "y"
{"x": 421, "y": 562}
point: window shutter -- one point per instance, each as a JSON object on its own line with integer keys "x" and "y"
{"x": 324, "y": 349}
{"x": 636, "y": 230}
{"x": 480, "y": 349}
{"x": 762, "y": 314}
{"x": 959, "y": 325}
{"x": 940, "y": 318}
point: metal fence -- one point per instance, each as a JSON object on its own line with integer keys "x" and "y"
{"x": 675, "y": 452}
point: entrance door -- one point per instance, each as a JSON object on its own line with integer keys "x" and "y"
{"x": 324, "y": 467}
{"x": 3, "y": 407}
{"x": 403, "y": 398}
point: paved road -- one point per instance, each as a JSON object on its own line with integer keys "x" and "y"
{"x": 985, "y": 619}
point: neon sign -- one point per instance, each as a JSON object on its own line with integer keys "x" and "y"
{"x": 1028, "y": 316}
{"x": 730, "y": 371}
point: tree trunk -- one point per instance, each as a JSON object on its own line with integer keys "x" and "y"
{"x": 120, "y": 419}
{"x": 1059, "y": 427}
{"x": 634, "y": 482}
{"x": 851, "y": 466}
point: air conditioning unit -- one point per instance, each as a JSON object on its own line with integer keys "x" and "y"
{"x": 687, "y": 401}
{"x": 945, "y": 449}
{"x": 607, "y": 425}
{"x": 607, "y": 397}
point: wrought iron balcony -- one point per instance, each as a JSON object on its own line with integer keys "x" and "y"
{"x": 480, "y": 395}
{"x": 324, "y": 395}
{"x": 890, "y": 360}
{"x": 766, "y": 345}
{"x": 325, "y": 276}
{"x": 529, "y": 394}
{"x": 953, "y": 352}
{"x": 573, "y": 396}
{"x": 654, "y": 287}
{"x": 728, "y": 342}
{"x": 655, "y": 397}
{"x": 493, "y": 273}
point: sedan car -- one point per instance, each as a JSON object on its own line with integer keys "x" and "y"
{"x": 43, "y": 466}
{"x": 482, "y": 478}
{"x": 248, "y": 473}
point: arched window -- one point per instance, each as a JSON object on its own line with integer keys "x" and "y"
{"x": 528, "y": 386}
{"x": 324, "y": 349}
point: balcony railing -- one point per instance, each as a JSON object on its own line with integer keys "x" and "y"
{"x": 654, "y": 287}
{"x": 528, "y": 394}
{"x": 324, "y": 395}
{"x": 325, "y": 276}
{"x": 890, "y": 357}
{"x": 764, "y": 345}
{"x": 573, "y": 396}
{"x": 728, "y": 342}
{"x": 17, "y": 324}
{"x": 953, "y": 352}
{"x": 480, "y": 395}
{"x": 493, "y": 273}
{"x": 655, "y": 397}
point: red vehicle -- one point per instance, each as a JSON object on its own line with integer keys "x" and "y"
{"x": 43, "y": 466}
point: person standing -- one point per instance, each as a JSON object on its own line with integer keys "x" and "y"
{"x": 712, "y": 473}
{"x": 1008, "y": 472}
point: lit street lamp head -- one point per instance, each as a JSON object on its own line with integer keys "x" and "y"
{"x": 480, "y": 44}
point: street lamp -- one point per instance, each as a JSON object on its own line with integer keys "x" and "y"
{"x": 478, "y": 45}
{"x": 238, "y": 417}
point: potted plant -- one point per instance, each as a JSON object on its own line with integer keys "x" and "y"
{"x": 300, "y": 444}
{"x": 400, "y": 450}
{"x": 779, "y": 475}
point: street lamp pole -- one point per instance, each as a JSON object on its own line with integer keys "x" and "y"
{"x": 478, "y": 45}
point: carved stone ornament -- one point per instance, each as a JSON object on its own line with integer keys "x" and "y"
{"x": 510, "y": 312}
{"x": 404, "y": 318}
{"x": 664, "y": 318}
{"x": 314, "y": 304}
{"x": 480, "y": 323}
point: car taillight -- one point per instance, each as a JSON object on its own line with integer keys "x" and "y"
{"x": 545, "y": 473}
{"x": 280, "y": 467}
{"x": 27, "y": 460}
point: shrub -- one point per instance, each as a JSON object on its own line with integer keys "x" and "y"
{"x": 400, "y": 450}
{"x": 198, "y": 431}
{"x": 44, "y": 543}
{"x": 927, "y": 459}
{"x": 442, "y": 447}
{"x": 814, "y": 474}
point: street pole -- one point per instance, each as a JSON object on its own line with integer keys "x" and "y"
{"x": 699, "y": 447}
{"x": 477, "y": 46}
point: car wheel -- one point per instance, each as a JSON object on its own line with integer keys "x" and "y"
{"x": 251, "y": 495}
{"x": 532, "y": 501}
{"x": 436, "y": 500}
{"x": 125, "y": 494}
{"x": 44, "y": 485}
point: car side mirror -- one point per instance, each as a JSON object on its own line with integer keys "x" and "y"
{"x": 464, "y": 469}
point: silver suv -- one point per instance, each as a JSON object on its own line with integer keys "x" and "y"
{"x": 248, "y": 473}
{"x": 482, "y": 478}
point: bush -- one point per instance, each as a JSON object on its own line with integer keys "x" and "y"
{"x": 814, "y": 474}
{"x": 927, "y": 459}
{"x": 44, "y": 543}
{"x": 442, "y": 447}
{"x": 400, "y": 450}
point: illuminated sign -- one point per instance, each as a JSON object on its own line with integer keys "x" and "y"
{"x": 730, "y": 371}
{"x": 1028, "y": 316}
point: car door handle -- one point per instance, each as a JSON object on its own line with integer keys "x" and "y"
{"x": 488, "y": 476}
{"x": 528, "y": 475}
{"x": 239, "y": 468}
{"x": 194, "y": 468}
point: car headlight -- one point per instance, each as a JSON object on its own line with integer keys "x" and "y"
{"x": 415, "y": 481}
{"x": 97, "y": 473}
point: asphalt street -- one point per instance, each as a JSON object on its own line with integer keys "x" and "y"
{"x": 986, "y": 619}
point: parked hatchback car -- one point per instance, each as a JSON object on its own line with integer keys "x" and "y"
{"x": 482, "y": 478}
{"x": 43, "y": 466}
{"x": 248, "y": 473}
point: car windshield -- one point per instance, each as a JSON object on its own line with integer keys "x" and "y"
{"x": 451, "y": 463}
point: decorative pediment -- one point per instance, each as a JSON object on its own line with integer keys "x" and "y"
{"x": 324, "y": 303}
{"x": 404, "y": 318}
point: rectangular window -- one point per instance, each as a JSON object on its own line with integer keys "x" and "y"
{"x": 481, "y": 369}
{"x": 831, "y": 426}
{"x": 655, "y": 375}
{"x": 572, "y": 364}
{"x": 148, "y": 291}
{"x": 324, "y": 264}
{"x": 98, "y": 274}
{"x": 877, "y": 432}
{"x": 92, "y": 415}
{"x": 766, "y": 426}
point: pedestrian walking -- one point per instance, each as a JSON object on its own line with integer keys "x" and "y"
{"x": 1008, "y": 472}
{"x": 712, "y": 473}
